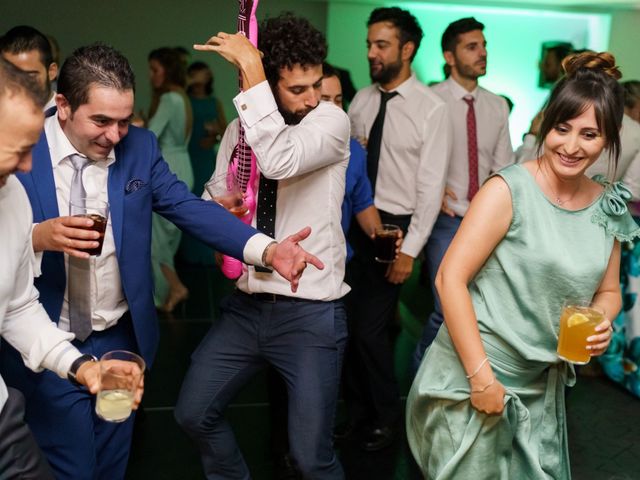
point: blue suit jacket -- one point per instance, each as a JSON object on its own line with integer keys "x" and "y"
{"x": 139, "y": 182}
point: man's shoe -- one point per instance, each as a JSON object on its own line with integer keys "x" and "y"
{"x": 378, "y": 438}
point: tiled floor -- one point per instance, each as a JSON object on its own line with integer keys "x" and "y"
{"x": 604, "y": 421}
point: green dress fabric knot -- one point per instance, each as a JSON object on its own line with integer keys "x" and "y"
{"x": 615, "y": 197}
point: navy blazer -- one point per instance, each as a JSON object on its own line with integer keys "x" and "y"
{"x": 139, "y": 182}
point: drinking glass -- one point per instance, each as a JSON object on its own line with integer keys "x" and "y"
{"x": 578, "y": 321}
{"x": 96, "y": 210}
{"x": 384, "y": 243}
{"x": 120, "y": 375}
{"x": 225, "y": 190}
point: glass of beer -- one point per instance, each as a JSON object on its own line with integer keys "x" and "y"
{"x": 578, "y": 321}
{"x": 120, "y": 375}
{"x": 225, "y": 190}
{"x": 96, "y": 210}
{"x": 384, "y": 243}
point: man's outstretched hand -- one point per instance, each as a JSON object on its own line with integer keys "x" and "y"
{"x": 289, "y": 259}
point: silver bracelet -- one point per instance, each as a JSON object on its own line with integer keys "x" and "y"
{"x": 486, "y": 359}
{"x": 481, "y": 390}
{"x": 264, "y": 253}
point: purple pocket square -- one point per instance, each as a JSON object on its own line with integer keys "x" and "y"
{"x": 134, "y": 185}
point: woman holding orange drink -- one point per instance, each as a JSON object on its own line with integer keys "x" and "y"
{"x": 488, "y": 399}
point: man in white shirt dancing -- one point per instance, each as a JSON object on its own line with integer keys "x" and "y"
{"x": 301, "y": 147}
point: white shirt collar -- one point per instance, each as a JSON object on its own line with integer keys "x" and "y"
{"x": 405, "y": 87}
{"x": 458, "y": 92}
{"x": 61, "y": 148}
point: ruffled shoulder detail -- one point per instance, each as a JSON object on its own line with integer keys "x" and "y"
{"x": 612, "y": 213}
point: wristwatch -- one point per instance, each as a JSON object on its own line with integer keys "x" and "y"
{"x": 73, "y": 370}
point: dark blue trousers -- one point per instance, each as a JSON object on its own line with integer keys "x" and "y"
{"x": 304, "y": 341}
{"x": 77, "y": 444}
{"x": 443, "y": 232}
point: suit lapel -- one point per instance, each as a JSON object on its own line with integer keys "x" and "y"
{"x": 116, "y": 197}
{"x": 42, "y": 173}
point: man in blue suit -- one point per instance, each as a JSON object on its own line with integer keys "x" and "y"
{"x": 89, "y": 142}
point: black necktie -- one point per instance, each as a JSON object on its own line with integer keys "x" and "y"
{"x": 266, "y": 210}
{"x": 375, "y": 138}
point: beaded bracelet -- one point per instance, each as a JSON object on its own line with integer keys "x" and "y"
{"x": 481, "y": 390}
{"x": 486, "y": 359}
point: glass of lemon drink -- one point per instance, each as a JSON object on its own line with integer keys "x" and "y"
{"x": 120, "y": 375}
{"x": 578, "y": 321}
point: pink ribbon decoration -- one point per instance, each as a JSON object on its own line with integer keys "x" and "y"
{"x": 243, "y": 162}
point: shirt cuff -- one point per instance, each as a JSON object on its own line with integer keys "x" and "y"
{"x": 411, "y": 246}
{"x": 254, "y": 248}
{"x": 60, "y": 358}
{"x": 255, "y": 104}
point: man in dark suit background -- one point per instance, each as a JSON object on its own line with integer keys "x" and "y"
{"x": 89, "y": 139}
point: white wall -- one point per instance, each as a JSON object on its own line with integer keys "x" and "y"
{"x": 624, "y": 42}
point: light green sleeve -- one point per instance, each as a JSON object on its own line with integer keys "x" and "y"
{"x": 160, "y": 120}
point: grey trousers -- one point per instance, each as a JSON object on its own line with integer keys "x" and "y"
{"x": 20, "y": 456}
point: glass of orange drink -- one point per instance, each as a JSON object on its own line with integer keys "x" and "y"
{"x": 578, "y": 321}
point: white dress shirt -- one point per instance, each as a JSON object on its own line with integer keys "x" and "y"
{"x": 414, "y": 154}
{"x": 23, "y": 320}
{"x": 108, "y": 303}
{"x": 309, "y": 160}
{"x": 492, "y": 133}
{"x": 628, "y": 169}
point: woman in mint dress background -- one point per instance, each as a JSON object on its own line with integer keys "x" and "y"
{"x": 488, "y": 399}
{"x": 621, "y": 362}
{"x": 170, "y": 118}
{"x": 209, "y": 123}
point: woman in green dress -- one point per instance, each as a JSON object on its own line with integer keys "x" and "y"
{"x": 488, "y": 399}
{"x": 170, "y": 118}
{"x": 209, "y": 123}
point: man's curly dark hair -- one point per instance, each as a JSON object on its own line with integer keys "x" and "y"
{"x": 287, "y": 40}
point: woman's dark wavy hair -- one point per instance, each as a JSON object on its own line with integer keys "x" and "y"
{"x": 198, "y": 67}
{"x": 175, "y": 72}
{"x": 590, "y": 79}
{"x": 287, "y": 40}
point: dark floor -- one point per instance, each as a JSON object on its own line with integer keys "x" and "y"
{"x": 604, "y": 421}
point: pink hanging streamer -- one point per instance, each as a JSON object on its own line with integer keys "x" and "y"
{"x": 243, "y": 161}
